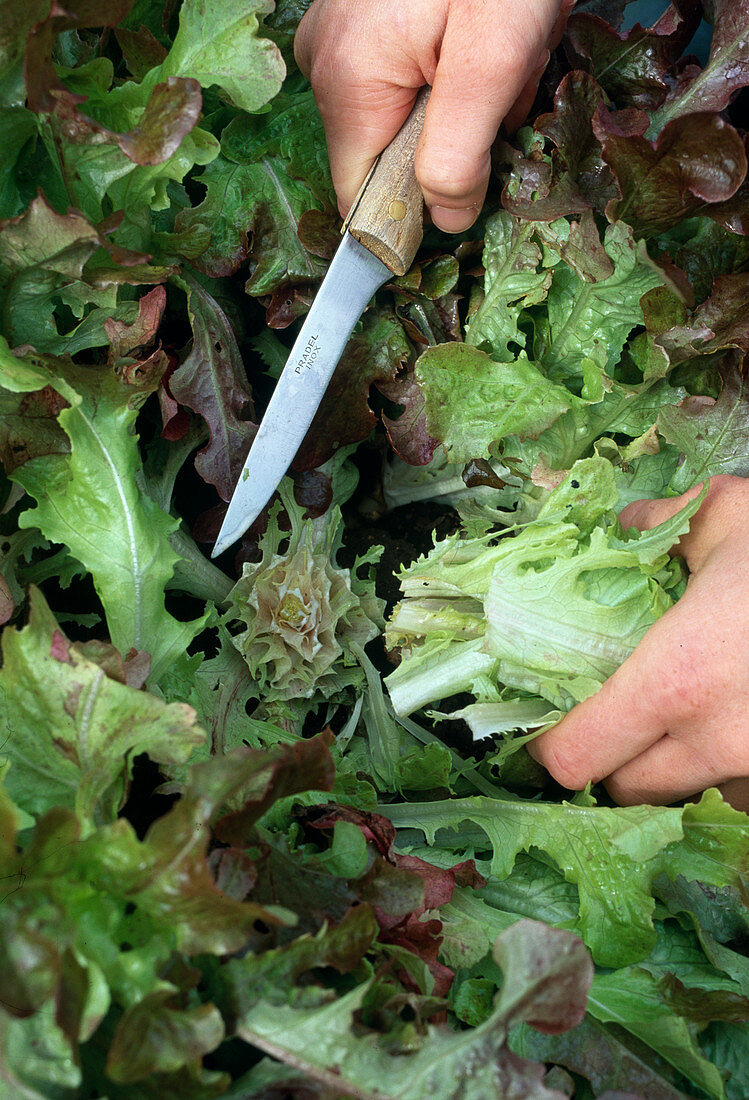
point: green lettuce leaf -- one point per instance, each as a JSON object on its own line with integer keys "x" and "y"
{"x": 472, "y": 401}
{"x": 220, "y": 45}
{"x": 710, "y": 435}
{"x": 130, "y": 556}
{"x": 72, "y": 730}
{"x": 301, "y": 618}
{"x": 512, "y": 281}
{"x": 546, "y": 977}
{"x": 42, "y": 259}
{"x": 268, "y": 176}
{"x": 589, "y": 322}
{"x": 552, "y": 611}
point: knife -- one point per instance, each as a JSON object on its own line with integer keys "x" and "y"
{"x": 381, "y": 235}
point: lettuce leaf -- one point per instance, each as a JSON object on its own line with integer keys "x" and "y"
{"x": 131, "y": 559}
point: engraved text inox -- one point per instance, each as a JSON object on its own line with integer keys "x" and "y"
{"x": 308, "y": 356}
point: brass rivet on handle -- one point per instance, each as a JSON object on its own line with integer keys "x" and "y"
{"x": 397, "y": 210}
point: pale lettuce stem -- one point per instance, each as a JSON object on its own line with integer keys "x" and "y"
{"x": 418, "y": 680}
{"x": 461, "y": 618}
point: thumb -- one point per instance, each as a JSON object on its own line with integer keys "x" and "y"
{"x": 722, "y": 512}
{"x": 473, "y": 90}
{"x": 646, "y": 514}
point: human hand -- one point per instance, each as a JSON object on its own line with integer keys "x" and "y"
{"x": 367, "y": 59}
{"x": 674, "y": 718}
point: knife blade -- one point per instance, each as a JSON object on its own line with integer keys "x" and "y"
{"x": 380, "y": 238}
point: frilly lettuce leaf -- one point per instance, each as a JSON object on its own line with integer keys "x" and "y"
{"x": 512, "y": 280}
{"x": 268, "y": 176}
{"x": 302, "y": 616}
{"x": 219, "y": 44}
{"x": 551, "y": 611}
{"x": 94, "y": 487}
{"x": 42, "y": 260}
{"x": 473, "y": 401}
{"x": 726, "y": 71}
{"x": 634, "y": 66}
{"x": 474, "y": 1061}
{"x": 612, "y": 856}
{"x": 694, "y": 165}
{"x": 69, "y": 719}
{"x": 710, "y": 435}
{"x": 589, "y": 322}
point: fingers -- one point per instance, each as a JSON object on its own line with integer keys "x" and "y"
{"x": 723, "y": 510}
{"x": 518, "y": 113}
{"x": 669, "y": 770}
{"x": 367, "y": 61}
{"x": 364, "y": 92}
{"x": 478, "y": 79}
{"x": 605, "y": 731}
{"x": 671, "y": 721}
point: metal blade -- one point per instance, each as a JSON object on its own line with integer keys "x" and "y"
{"x": 353, "y": 277}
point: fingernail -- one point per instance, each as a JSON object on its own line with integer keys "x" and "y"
{"x": 454, "y": 221}
{"x": 543, "y": 61}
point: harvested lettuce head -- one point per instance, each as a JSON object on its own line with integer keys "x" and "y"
{"x": 545, "y": 614}
{"x": 301, "y": 612}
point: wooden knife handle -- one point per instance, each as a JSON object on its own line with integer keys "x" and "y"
{"x": 387, "y": 216}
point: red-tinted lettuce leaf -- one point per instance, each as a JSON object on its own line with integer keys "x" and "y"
{"x": 29, "y": 427}
{"x": 407, "y": 432}
{"x": 374, "y": 354}
{"x": 428, "y": 321}
{"x": 577, "y": 178}
{"x": 733, "y": 214}
{"x": 703, "y": 1006}
{"x": 46, "y": 93}
{"x": 234, "y": 871}
{"x": 175, "y": 881}
{"x": 141, "y": 50}
{"x": 7, "y": 606}
{"x": 634, "y": 67}
{"x": 305, "y": 887}
{"x": 320, "y": 232}
{"x": 612, "y": 10}
{"x": 313, "y": 491}
{"x": 583, "y": 249}
{"x": 401, "y": 888}
{"x": 726, "y": 72}
{"x": 423, "y": 939}
{"x": 257, "y": 193}
{"x": 286, "y": 303}
{"x": 275, "y": 975}
{"x": 696, "y": 160}
{"x": 708, "y": 251}
{"x": 172, "y": 110}
{"x": 212, "y": 382}
{"x": 124, "y": 339}
{"x": 720, "y": 322}
{"x": 606, "y": 1060}
{"x": 302, "y": 766}
{"x": 159, "y": 1035}
{"x": 547, "y": 974}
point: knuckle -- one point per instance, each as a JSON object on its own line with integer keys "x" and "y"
{"x": 686, "y": 692}
{"x": 454, "y": 179}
